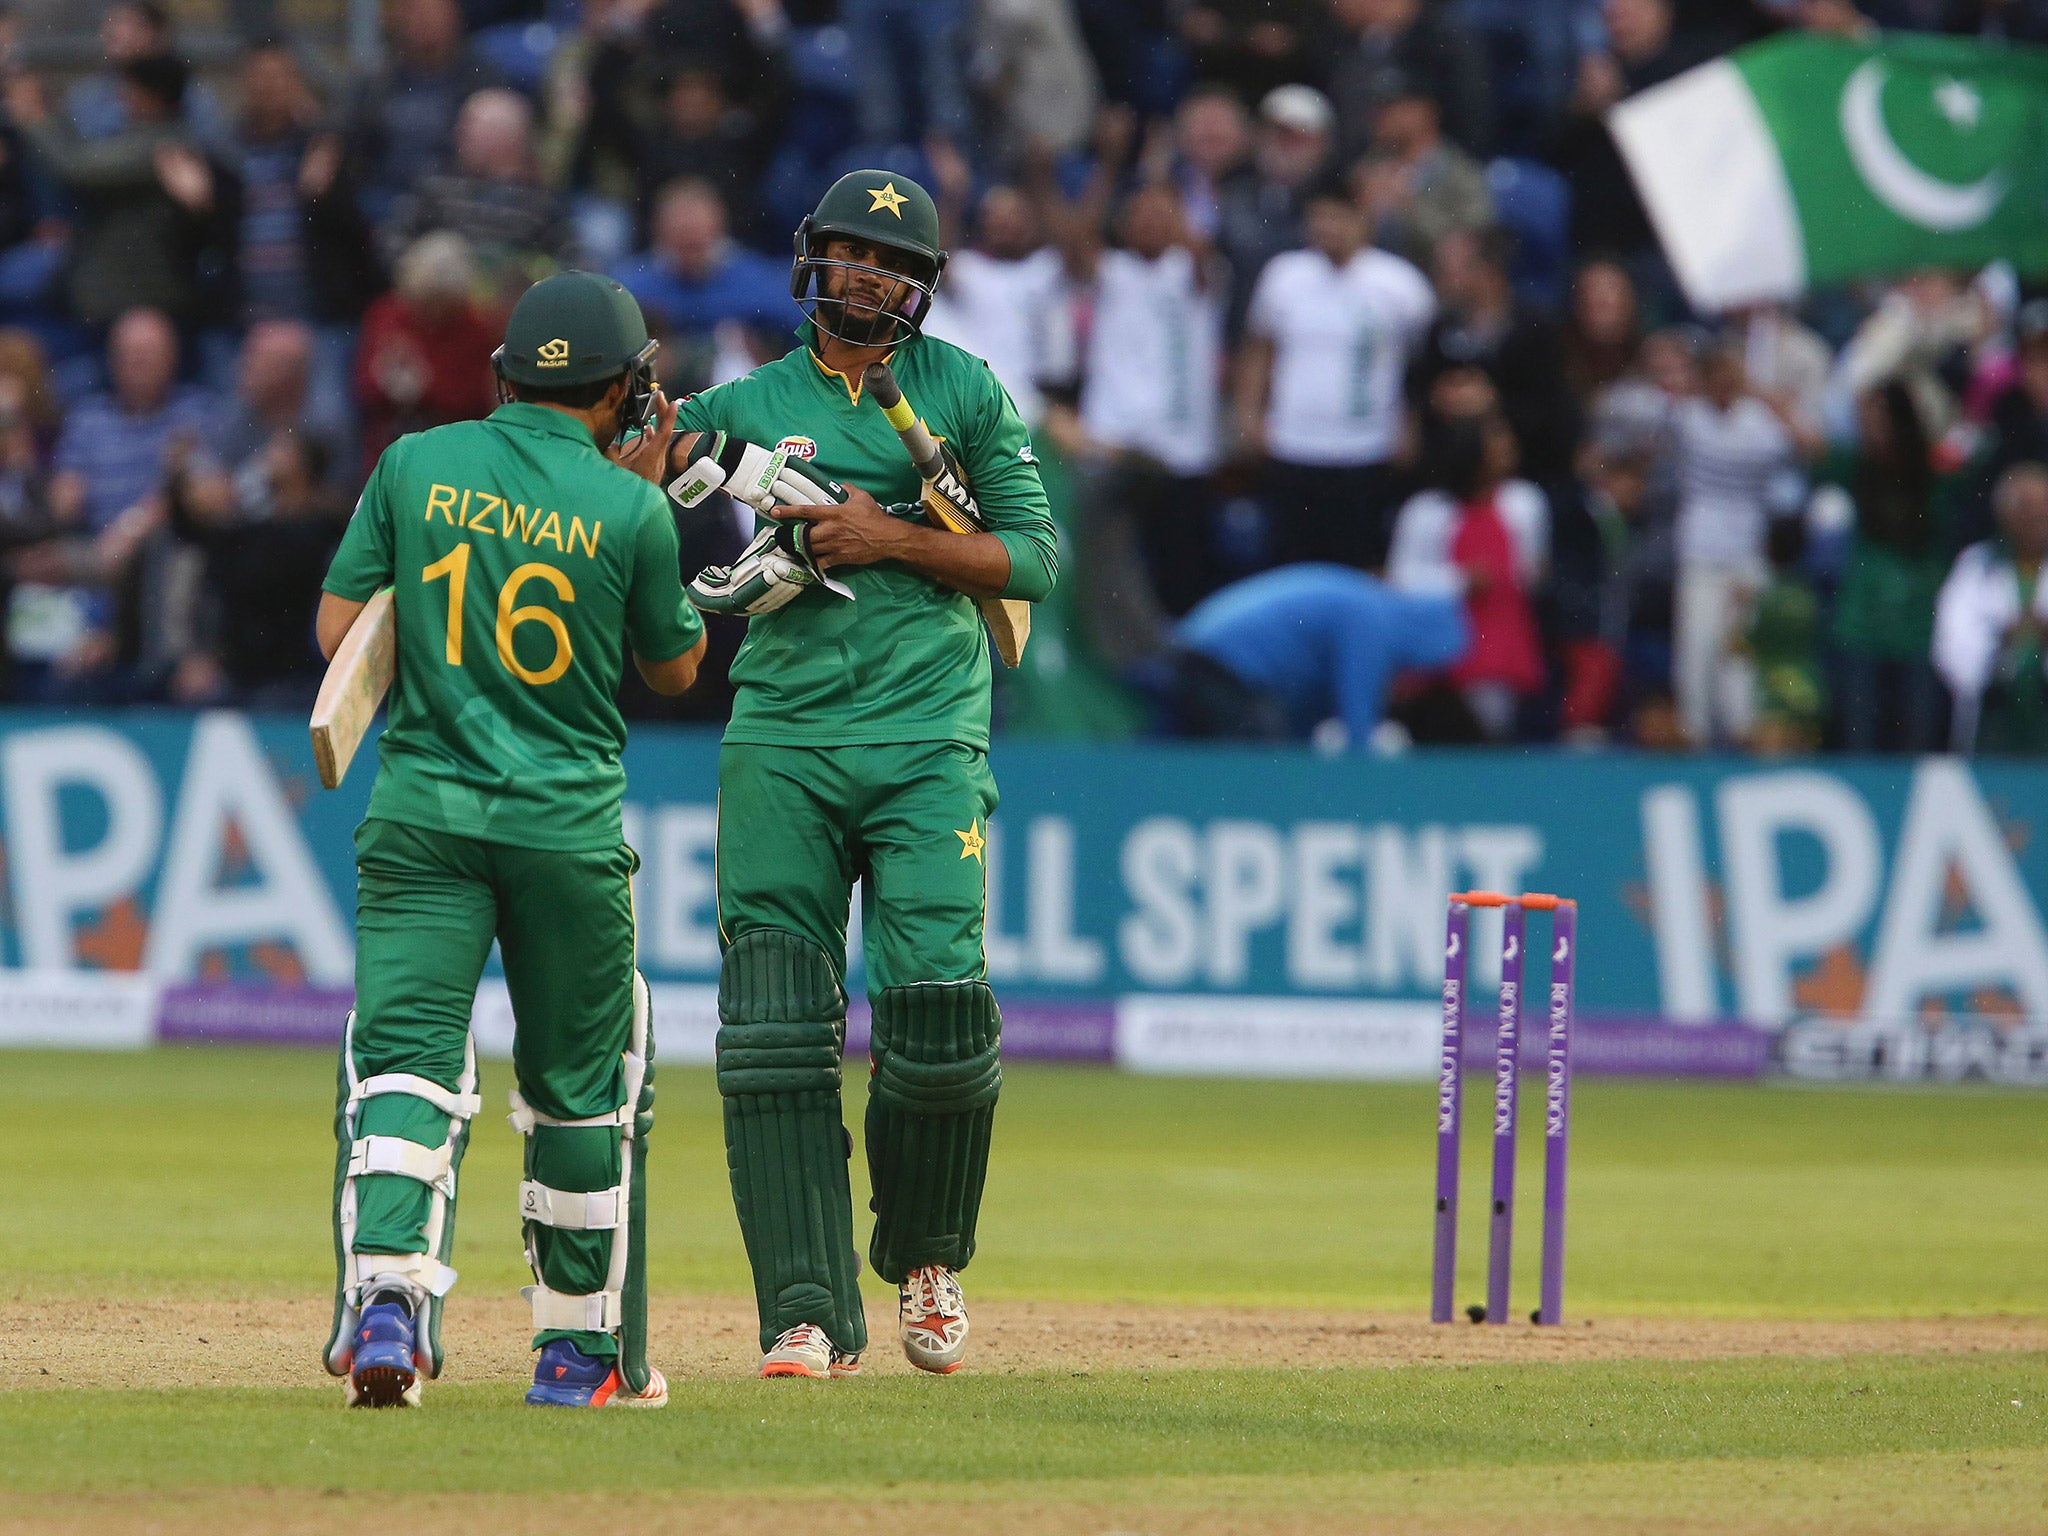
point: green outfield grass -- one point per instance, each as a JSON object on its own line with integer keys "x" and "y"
{"x": 206, "y": 1173}
{"x": 211, "y": 1168}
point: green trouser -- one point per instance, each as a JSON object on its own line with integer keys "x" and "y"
{"x": 797, "y": 826}
{"x": 429, "y": 906}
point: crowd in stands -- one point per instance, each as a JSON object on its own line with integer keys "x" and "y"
{"x": 1376, "y": 414}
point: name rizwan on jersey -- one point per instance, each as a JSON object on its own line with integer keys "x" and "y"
{"x": 487, "y": 512}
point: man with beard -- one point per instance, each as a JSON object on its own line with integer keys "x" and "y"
{"x": 858, "y": 751}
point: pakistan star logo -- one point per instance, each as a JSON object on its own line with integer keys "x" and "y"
{"x": 886, "y": 196}
{"x": 971, "y": 841}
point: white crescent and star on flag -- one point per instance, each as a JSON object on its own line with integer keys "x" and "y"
{"x": 1910, "y": 192}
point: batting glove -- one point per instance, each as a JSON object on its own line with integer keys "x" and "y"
{"x": 760, "y": 477}
{"x": 771, "y": 572}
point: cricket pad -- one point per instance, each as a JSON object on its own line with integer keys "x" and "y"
{"x": 931, "y": 1105}
{"x": 782, "y": 1027}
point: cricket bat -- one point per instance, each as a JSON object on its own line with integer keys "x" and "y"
{"x": 357, "y": 679}
{"x": 950, "y": 504}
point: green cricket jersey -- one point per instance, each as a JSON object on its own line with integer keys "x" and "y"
{"x": 908, "y": 659}
{"x": 519, "y": 555}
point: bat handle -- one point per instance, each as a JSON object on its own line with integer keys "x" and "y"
{"x": 881, "y": 383}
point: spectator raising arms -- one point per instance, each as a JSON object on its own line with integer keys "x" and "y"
{"x": 304, "y": 248}
{"x": 151, "y": 208}
{"x": 1731, "y": 452}
{"x": 1327, "y": 342}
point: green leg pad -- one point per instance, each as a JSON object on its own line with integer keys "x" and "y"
{"x": 782, "y": 1028}
{"x": 931, "y": 1105}
{"x": 391, "y": 1211}
{"x": 574, "y": 1261}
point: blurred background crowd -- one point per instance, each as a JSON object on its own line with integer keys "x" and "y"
{"x": 1372, "y": 412}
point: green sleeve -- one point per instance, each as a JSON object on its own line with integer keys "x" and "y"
{"x": 699, "y": 413}
{"x": 363, "y": 565}
{"x": 660, "y": 623}
{"x": 1003, "y": 472}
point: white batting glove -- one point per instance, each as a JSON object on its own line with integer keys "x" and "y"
{"x": 760, "y": 477}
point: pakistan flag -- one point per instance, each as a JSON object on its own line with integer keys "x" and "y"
{"x": 1812, "y": 159}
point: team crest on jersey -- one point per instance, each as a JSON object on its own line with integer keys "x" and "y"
{"x": 799, "y": 447}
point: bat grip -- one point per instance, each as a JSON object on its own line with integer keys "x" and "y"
{"x": 917, "y": 438}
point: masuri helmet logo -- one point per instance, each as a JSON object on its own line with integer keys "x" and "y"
{"x": 552, "y": 354}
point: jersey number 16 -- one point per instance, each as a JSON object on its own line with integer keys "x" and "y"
{"x": 455, "y": 566}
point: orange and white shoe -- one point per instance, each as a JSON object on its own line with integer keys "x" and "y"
{"x": 931, "y": 1318}
{"x": 844, "y": 1364}
{"x": 801, "y": 1351}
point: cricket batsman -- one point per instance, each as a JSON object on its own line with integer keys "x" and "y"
{"x": 520, "y": 556}
{"x": 858, "y": 750}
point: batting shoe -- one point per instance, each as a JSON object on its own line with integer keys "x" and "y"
{"x": 383, "y": 1374}
{"x": 931, "y": 1317}
{"x": 565, "y": 1377}
{"x": 804, "y": 1351}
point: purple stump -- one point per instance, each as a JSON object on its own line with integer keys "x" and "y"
{"x": 1507, "y": 1078}
{"x": 1450, "y": 1082}
{"x": 1557, "y": 1106}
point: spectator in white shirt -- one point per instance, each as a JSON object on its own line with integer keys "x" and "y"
{"x": 1327, "y": 344}
{"x": 1149, "y": 397}
{"x": 1732, "y": 453}
{"x": 1990, "y": 622}
{"x": 997, "y": 297}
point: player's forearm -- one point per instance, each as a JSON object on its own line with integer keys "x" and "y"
{"x": 977, "y": 564}
{"x": 674, "y": 676}
{"x": 331, "y": 626}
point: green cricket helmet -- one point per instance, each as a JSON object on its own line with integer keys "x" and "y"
{"x": 877, "y": 208}
{"x": 579, "y": 328}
